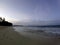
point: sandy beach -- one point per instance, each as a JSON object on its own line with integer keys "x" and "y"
{"x": 8, "y": 36}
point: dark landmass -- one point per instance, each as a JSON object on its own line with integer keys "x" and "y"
{"x": 5, "y": 23}
{"x": 37, "y": 25}
{"x": 17, "y": 25}
{"x": 46, "y": 26}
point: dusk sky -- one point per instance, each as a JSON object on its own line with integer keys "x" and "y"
{"x": 30, "y": 10}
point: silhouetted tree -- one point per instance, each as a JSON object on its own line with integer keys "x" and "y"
{"x": 3, "y": 19}
{"x": 0, "y": 19}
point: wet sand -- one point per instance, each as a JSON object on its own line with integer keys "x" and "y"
{"x": 8, "y": 36}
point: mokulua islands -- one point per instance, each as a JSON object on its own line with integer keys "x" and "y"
{"x": 4, "y": 23}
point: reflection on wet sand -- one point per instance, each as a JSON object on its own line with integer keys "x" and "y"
{"x": 8, "y": 36}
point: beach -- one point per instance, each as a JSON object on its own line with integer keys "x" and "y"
{"x": 9, "y": 36}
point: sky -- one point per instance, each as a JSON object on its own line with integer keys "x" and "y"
{"x": 30, "y": 10}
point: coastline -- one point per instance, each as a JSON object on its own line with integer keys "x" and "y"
{"x": 8, "y": 36}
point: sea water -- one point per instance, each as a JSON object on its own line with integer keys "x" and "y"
{"x": 29, "y": 36}
{"x": 40, "y": 31}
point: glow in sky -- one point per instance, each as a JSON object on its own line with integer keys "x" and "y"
{"x": 30, "y": 10}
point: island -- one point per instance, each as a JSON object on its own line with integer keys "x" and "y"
{"x": 4, "y": 23}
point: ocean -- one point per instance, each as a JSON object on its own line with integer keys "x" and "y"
{"x": 44, "y": 31}
{"x": 29, "y": 35}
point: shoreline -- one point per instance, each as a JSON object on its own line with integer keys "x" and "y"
{"x": 8, "y": 36}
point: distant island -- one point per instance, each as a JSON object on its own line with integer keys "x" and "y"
{"x": 4, "y": 23}
{"x": 42, "y": 26}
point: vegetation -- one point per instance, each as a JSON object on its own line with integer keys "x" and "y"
{"x": 4, "y": 23}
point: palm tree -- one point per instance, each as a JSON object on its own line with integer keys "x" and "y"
{"x": 3, "y": 19}
{"x": 0, "y": 19}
